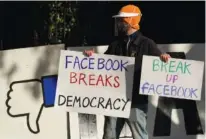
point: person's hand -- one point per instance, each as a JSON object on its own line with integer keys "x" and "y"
{"x": 88, "y": 52}
{"x": 165, "y": 57}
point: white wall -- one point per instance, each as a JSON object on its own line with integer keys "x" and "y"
{"x": 26, "y": 98}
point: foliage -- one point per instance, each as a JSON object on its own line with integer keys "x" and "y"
{"x": 62, "y": 19}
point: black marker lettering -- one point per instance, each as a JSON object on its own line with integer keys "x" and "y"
{"x": 125, "y": 103}
{"x": 101, "y": 100}
{"x": 77, "y": 100}
{"x": 86, "y": 99}
{"x": 116, "y": 108}
{"x": 109, "y": 103}
{"x": 92, "y": 102}
{"x": 69, "y": 105}
{"x": 61, "y": 96}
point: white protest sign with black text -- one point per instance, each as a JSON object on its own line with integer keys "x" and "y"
{"x": 176, "y": 79}
{"x": 100, "y": 84}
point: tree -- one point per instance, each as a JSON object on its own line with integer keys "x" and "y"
{"x": 62, "y": 18}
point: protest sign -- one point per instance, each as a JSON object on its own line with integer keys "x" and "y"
{"x": 100, "y": 84}
{"x": 176, "y": 79}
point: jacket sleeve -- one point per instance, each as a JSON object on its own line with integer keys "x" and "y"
{"x": 111, "y": 48}
{"x": 153, "y": 49}
{"x": 108, "y": 50}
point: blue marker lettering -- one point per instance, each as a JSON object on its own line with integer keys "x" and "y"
{"x": 123, "y": 65}
{"x": 76, "y": 61}
{"x": 184, "y": 92}
{"x": 116, "y": 65}
{"x": 166, "y": 89}
{"x": 66, "y": 61}
{"x": 144, "y": 86}
{"x": 83, "y": 62}
{"x": 91, "y": 63}
{"x": 174, "y": 89}
{"x": 109, "y": 64}
{"x": 100, "y": 63}
{"x": 192, "y": 92}
{"x": 151, "y": 88}
{"x": 179, "y": 91}
{"x": 157, "y": 89}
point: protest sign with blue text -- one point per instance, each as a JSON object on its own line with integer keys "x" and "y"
{"x": 100, "y": 84}
{"x": 176, "y": 78}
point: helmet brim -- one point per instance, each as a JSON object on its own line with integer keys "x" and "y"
{"x": 122, "y": 14}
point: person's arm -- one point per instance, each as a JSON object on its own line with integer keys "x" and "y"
{"x": 108, "y": 51}
{"x": 90, "y": 52}
{"x": 155, "y": 51}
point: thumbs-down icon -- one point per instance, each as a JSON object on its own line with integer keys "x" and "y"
{"x": 28, "y": 98}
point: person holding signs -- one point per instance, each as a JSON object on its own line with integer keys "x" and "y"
{"x": 132, "y": 43}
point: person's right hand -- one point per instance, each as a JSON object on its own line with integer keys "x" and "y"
{"x": 89, "y": 52}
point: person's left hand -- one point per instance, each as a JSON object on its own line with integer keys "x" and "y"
{"x": 165, "y": 57}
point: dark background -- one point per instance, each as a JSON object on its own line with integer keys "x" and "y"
{"x": 164, "y": 22}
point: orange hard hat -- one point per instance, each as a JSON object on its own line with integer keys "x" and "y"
{"x": 131, "y": 14}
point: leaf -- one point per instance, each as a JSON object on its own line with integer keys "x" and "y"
{"x": 73, "y": 19}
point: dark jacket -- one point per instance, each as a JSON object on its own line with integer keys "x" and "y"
{"x": 135, "y": 45}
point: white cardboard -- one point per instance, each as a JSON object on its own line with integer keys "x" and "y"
{"x": 120, "y": 96}
{"x": 177, "y": 78}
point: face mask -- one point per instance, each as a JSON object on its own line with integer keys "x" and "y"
{"x": 122, "y": 28}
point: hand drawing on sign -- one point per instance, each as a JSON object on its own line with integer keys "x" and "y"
{"x": 19, "y": 102}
